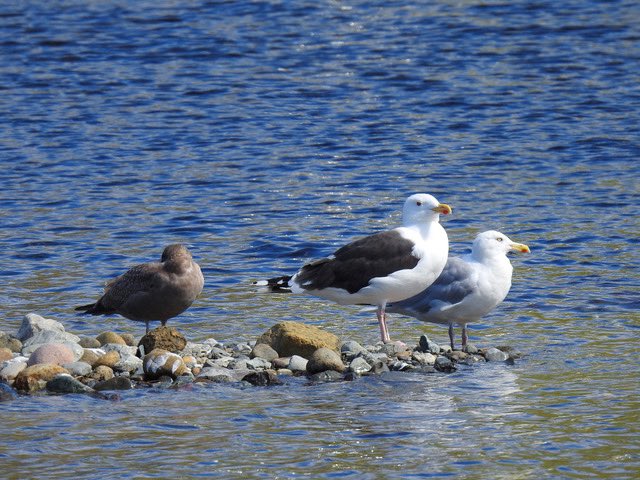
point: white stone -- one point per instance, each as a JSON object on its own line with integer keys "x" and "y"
{"x": 359, "y": 365}
{"x": 425, "y": 358}
{"x": 297, "y": 364}
{"x": 33, "y": 323}
{"x": 216, "y": 374}
{"x": 10, "y": 369}
{"x": 128, "y": 363}
{"x": 123, "y": 350}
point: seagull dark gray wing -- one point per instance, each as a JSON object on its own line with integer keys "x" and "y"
{"x": 457, "y": 280}
{"x": 354, "y": 265}
{"x": 139, "y": 280}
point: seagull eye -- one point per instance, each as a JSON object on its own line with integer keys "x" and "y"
{"x": 419, "y": 203}
{"x": 499, "y": 239}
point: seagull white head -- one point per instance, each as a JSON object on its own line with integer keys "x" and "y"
{"x": 493, "y": 243}
{"x": 421, "y": 208}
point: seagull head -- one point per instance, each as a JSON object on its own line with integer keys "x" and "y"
{"x": 174, "y": 251}
{"x": 493, "y": 243}
{"x": 421, "y": 208}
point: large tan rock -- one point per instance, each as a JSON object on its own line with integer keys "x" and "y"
{"x": 36, "y": 377}
{"x": 294, "y": 338}
{"x": 165, "y": 338}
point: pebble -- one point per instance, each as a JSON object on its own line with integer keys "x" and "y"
{"x": 101, "y": 373}
{"x": 324, "y": 359}
{"x": 115, "y": 383}
{"x": 456, "y": 355}
{"x": 251, "y": 364}
{"x": 470, "y": 348}
{"x": 198, "y": 350}
{"x": 400, "y": 366}
{"x": 10, "y": 369}
{"x": 129, "y": 364}
{"x": 471, "y": 359}
{"x": 109, "y": 359}
{"x": 263, "y": 378}
{"x": 159, "y": 362}
{"x": 129, "y": 339}
{"x": 35, "y": 377}
{"x": 378, "y": 368}
{"x": 50, "y": 336}
{"x": 223, "y": 362}
{"x": 5, "y": 354}
{"x": 216, "y": 374}
{"x": 242, "y": 348}
{"x": 217, "y": 352}
{"x": 33, "y": 323}
{"x": 110, "y": 337}
{"x": 7, "y": 393}
{"x": 262, "y": 350}
{"x": 123, "y": 350}
{"x": 393, "y": 349}
{"x": 65, "y": 383}
{"x": 351, "y": 349}
{"x": 359, "y": 366}
{"x": 78, "y": 369}
{"x": 426, "y": 345}
{"x": 424, "y": 358}
{"x": 281, "y": 362}
{"x": 512, "y": 352}
{"x": 190, "y": 361}
{"x": 444, "y": 364}
{"x": 10, "y": 342}
{"x": 91, "y": 356}
{"x": 372, "y": 358}
{"x": 492, "y": 354}
{"x": 297, "y": 364}
{"x": 88, "y": 342}
{"x": 326, "y": 376}
{"x": 55, "y": 353}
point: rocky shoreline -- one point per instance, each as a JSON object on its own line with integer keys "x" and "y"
{"x": 43, "y": 358}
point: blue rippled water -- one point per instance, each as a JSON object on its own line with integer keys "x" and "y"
{"x": 267, "y": 133}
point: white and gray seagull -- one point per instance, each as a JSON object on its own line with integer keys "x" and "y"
{"x": 468, "y": 288}
{"x": 385, "y": 267}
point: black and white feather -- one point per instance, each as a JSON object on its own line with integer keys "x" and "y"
{"x": 385, "y": 267}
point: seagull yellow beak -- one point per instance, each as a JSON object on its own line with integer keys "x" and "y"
{"x": 520, "y": 247}
{"x": 442, "y": 208}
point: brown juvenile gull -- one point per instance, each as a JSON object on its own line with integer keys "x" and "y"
{"x": 155, "y": 291}
{"x": 468, "y": 288}
{"x": 385, "y": 267}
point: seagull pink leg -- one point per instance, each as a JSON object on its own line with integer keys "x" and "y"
{"x": 464, "y": 335}
{"x": 384, "y": 332}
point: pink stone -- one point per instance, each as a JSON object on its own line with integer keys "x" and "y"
{"x": 54, "y": 353}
